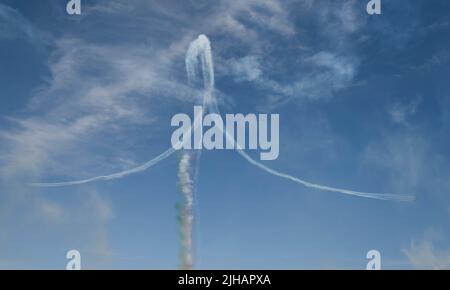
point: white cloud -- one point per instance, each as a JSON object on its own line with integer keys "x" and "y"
{"x": 50, "y": 211}
{"x": 423, "y": 254}
{"x": 269, "y": 14}
{"x": 95, "y": 94}
{"x": 247, "y": 68}
{"x": 318, "y": 75}
{"x": 439, "y": 58}
{"x": 400, "y": 113}
{"x": 324, "y": 74}
{"x": 250, "y": 23}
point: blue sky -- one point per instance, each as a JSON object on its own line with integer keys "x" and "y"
{"x": 363, "y": 103}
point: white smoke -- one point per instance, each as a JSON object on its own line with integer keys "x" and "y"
{"x": 200, "y": 50}
{"x": 117, "y": 175}
{"x": 186, "y": 214}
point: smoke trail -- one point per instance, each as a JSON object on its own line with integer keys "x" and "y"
{"x": 200, "y": 49}
{"x": 199, "y": 55}
{"x": 380, "y": 196}
{"x": 186, "y": 212}
{"x": 124, "y": 173}
{"x": 121, "y": 174}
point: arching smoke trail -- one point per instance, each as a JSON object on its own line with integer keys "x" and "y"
{"x": 201, "y": 49}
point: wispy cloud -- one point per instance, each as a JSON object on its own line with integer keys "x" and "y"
{"x": 93, "y": 90}
{"x": 319, "y": 73}
{"x": 102, "y": 210}
{"x": 400, "y": 113}
{"x": 324, "y": 74}
{"x": 247, "y": 68}
{"x": 13, "y": 25}
{"x": 423, "y": 254}
{"x": 257, "y": 26}
{"x": 242, "y": 19}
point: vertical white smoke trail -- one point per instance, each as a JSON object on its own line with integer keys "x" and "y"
{"x": 186, "y": 184}
{"x": 198, "y": 56}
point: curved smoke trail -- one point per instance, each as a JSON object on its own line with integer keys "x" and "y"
{"x": 121, "y": 174}
{"x": 380, "y": 196}
{"x": 200, "y": 48}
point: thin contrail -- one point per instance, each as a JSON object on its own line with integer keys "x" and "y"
{"x": 117, "y": 175}
{"x": 380, "y": 196}
{"x": 201, "y": 48}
